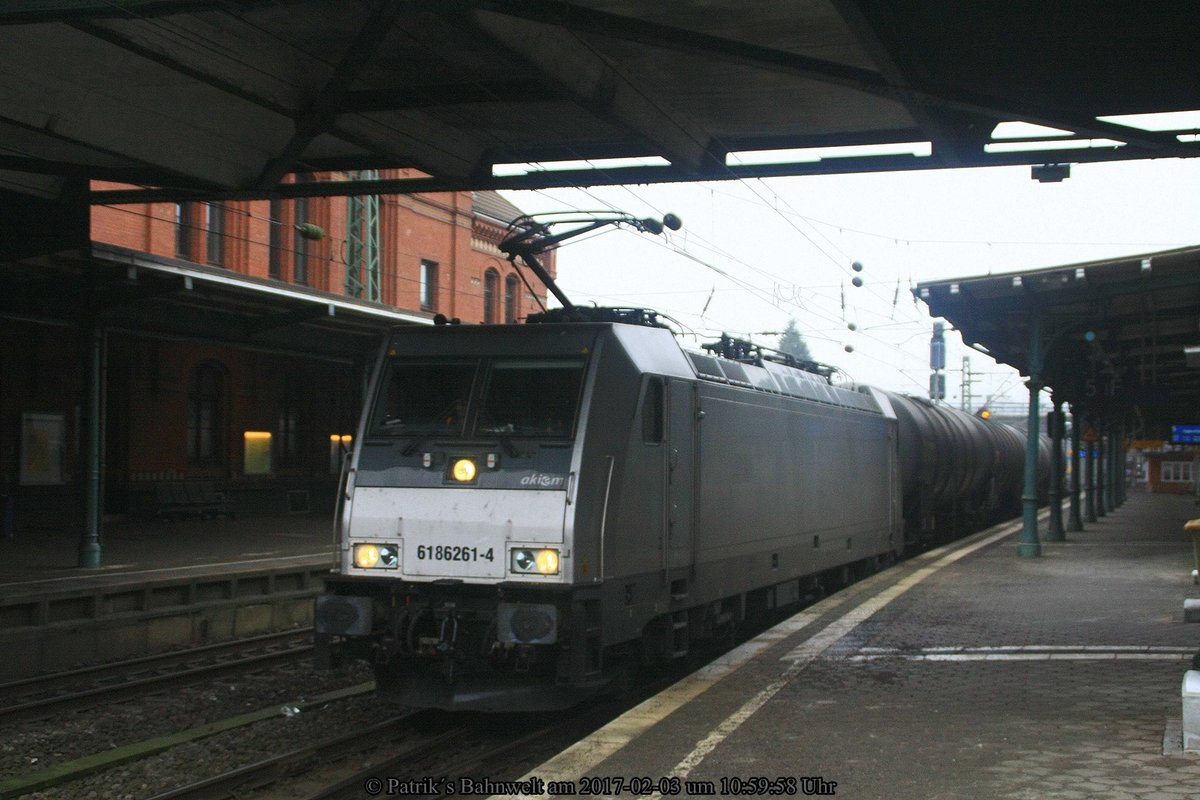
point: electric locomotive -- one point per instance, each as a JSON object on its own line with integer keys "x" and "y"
{"x": 530, "y": 510}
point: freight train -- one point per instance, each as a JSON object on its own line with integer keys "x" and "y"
{"x": 532, "y": 510}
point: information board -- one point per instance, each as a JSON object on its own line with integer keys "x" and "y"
{"x": 1185, "y": 434}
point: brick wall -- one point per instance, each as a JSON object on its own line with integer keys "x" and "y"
{"x": 440, "y": 228}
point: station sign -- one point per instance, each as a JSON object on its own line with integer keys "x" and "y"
{"x": 1185, "y": 434}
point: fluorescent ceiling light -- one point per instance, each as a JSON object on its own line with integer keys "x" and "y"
{"x": 800, "y": 155}
{"x": 501, "y": 170}
{"x": 1053, "y": 144}
{"x": 1160, "y": 121}
{"x": 1026, "y": 130}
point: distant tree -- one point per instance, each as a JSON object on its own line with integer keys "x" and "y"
{"x": 793, "y": 343}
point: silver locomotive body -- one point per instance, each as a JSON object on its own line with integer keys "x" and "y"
{"x": 530, "y": 509}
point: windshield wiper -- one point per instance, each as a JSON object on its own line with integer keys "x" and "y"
{"x": 507, "y": 443}
{"x": 412, "y": 446}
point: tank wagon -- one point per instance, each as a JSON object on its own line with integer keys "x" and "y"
{"x": 530, "y": 511}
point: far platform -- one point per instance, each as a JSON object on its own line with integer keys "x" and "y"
{"x": 140, "y": 549}
{"x": 967, "y": 672}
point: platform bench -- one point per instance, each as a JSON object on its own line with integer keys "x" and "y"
{"x": 180, "y": 499}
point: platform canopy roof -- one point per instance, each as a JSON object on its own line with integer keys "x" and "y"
{"x": 223, "y": 98}
{"x": 1118, "y": 337}
{"x": 128, "y": 291}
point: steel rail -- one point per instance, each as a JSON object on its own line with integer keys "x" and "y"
{"x": 20, "y": 700}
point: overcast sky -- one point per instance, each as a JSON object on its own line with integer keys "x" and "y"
{"x": 753, "y": 254}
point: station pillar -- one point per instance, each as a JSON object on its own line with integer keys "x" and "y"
{"x": 1029, "y": 546}
{"x": 89, "y": 545}
{"x": 1075, "y": 523}
{"x": 1114, "y": 469}
{"x": 1101, "y": 471}
{"x": 1091, "y": 473}
{"x": 1054, "y": 427}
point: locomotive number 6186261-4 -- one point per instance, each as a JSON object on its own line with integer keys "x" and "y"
{"x": 447, "y": 552}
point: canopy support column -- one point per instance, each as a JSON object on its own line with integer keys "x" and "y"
{"x": 89, "y": 544}
{"x": 1055, "y": 427}
{"x": 1029, "y": 546}
{"x": 1076, "y": 521}
{"x": 1091, "y": 472}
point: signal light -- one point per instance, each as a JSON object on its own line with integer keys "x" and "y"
{"x": 984, "y": 413}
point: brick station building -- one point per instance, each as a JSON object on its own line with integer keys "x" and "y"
{"x": 262, "y": 410}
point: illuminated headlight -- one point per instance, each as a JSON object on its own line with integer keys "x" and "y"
{"x": 463, "y": 470}
{"x": 535, "y": 562}
{"x": 376, "y": 556}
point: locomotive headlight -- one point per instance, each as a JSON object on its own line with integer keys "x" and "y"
{"x": 535, "y": 562}
{"x": 463, "y": 470}
{"x": 376, "y": 556}
{"x": 366, "y": 555}
{"x": 547, "y": 562}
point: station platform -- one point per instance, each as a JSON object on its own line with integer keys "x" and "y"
{"x": 967, "y": 672}
{"x": 137, "y": 549}
{"x": 162, "y": 585}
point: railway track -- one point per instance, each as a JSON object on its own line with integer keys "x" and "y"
{"x": 239, "y": 782}
{"x": 438, "y": 744}
{"x": 470, "y": 768}
{"x": 46, "y": 695}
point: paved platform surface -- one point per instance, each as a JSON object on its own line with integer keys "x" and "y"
{"x": 137, "y": 549}
{"x": 966, "y": 673}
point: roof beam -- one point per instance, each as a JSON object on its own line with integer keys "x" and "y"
{"x": 164, "y": 59}
{"x": 365, "y": 101}
{"x": 72, "y": 10}
{"x": 586, "y": 20}
{"x": 948, "y": 143}
{"x": 598, "y": 86}
{"x": 319, "y": 115}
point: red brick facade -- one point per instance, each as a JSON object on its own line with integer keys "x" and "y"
{"x": 442, "y": 229}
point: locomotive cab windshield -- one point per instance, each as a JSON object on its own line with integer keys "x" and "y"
{"x": 479, "y": 399}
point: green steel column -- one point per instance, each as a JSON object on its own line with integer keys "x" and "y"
{"x": 362, "y": 243}
{"x": 1076, "y": 521}
{"x": 1122, "y": 483}
{"x": 89, "y": 545}
{"x": 1055, "y": 532}
{"x": 1091, "y": 475}
{"x": 1114, "y": 465}
{"x": 1029, "y": 546}
{"x": 1101, "y": 471}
